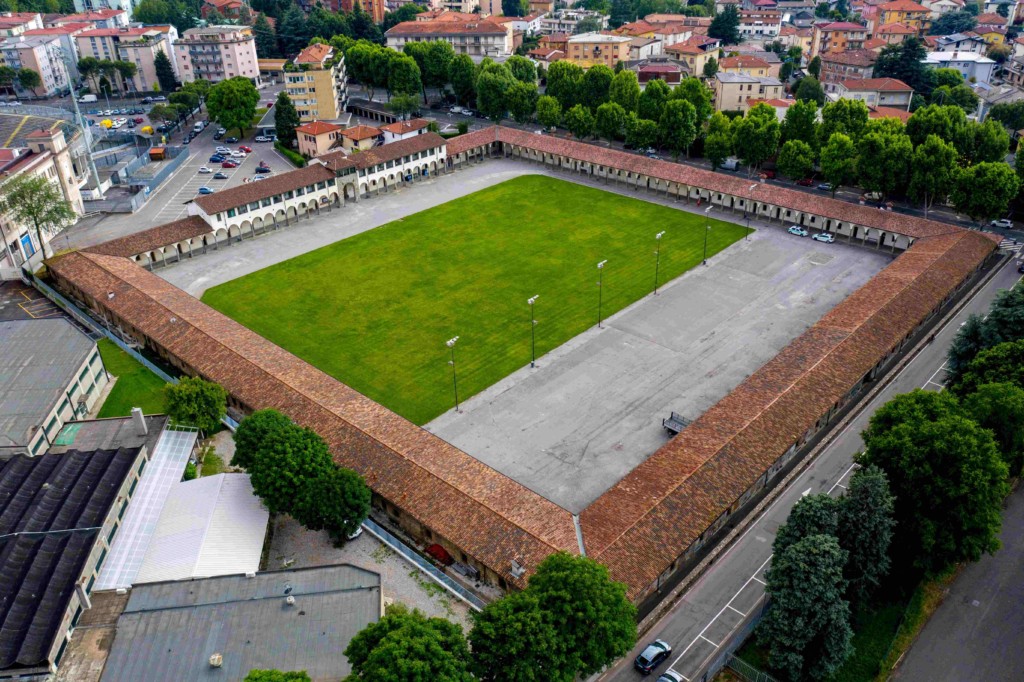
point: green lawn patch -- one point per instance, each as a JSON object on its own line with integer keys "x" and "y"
{"x": 376, "y": 309}
{"x": 136, "y": 386}
{"x": 213, "y": 464}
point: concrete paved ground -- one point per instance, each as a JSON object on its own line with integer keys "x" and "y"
{"x": 592, "y": 409}
{"x": 976, "y": 633}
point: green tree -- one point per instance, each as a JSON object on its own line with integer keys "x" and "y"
{"x": 933, "y": 171}
{"x": 678, "y": 126}
{"x": 8, "y": 75}
{"x": 718, "y": 143}
{"x": 1000, "y": 409}
{"x": 286, "y": 464}
{"x": 984, "y": 191}
{"x": 807, "y": 629}
{"x": 989, "y": 141}
{"x": 970, "y": 340}
{"x": 436, "y": 64}
{"x": 513, "y": 8}
{"x": 406, "y": 12}
{"x": 35, "y": 200}
{"x": 595, "y": 621}
{"x": 1002, "y": 363}
{"x": 948, "y": 122}
{"x": 801, "y": 123}
{"x": 549, "y": 111}
{"x": 29, "y": 79}
{"x": 906, "y": 62}
{"x": 699, "y": 95}
{"x": 946, "y": 474}
{"x": 726, "y": 26}
{"x": 276, "y": 675}
{"x": 404, "y": 105}
{"x": 164, "y": 72}
{"x": 953, "y": 22}
{"x": 796, "y": 160}
{"x": 253, "y": 431}
{"x": 811, "y": 515}
{"x": 232, "y": 103}
{"x": 336, "y": 500}
{"x": 640, "y": 133}
{"x": 462, "y": 76}
{"x": 610, "y": 120}
{"x": 756, "y": 135}
{"x": 521, "y": 99}
{"x": 839, "y": 161}
{"x": 865, "y": 529}
{"x": 625, "y": 91}
{"x": 810, "y": 90}
{"x": 579, "y": 121}
{"x": 187, "y": 102}
{"x": 595, "y": 86}
{"x": 563, "y": 83}
{"x": 710, "y": 68}
{"x": 513, "y": 641}
{"x": 292, "y": 31}
{"x": 884, "y": 155}
{"x": 404, "y": 76}
{"x": 491, "y": 89}
{"x": 286, "y": 119}
{"x": 652, "y": 100}
{"x": 406, "y": 645}
{"x": 522, "y": 69}
{"x": 196, "y": 402}
{"x": 847, "y": 116}
{"x": 814, "y": 68}
{"x": 266, "y": 38}
{"x": 1010, "y": 115}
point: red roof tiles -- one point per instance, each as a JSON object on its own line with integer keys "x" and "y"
{"x": 317, "y": 128}
{"x": 876, "y": 85}
{"x": 154, "y": 238}
{"x": 254, "y": 191}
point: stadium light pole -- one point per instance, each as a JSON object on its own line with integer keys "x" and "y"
{"x": 533, "y": 331}
{"x": 707, "y": 228}
{"x": 657, "y": 259}
{"x": 600, "y": 282}
{"x": 455, "y": 384}
{"x": 746, "y": 216}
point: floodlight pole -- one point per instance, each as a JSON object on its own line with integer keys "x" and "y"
{"x": 746, "y": 217}
{"x": 455, "y": 384}
{"x": 657, "y": 259}
{"x": 533, "y": 331}
{"x": 707, "y": 228}
{"x": 600, "y": 288}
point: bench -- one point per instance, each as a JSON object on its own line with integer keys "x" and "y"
{"x": 675, "y": 423}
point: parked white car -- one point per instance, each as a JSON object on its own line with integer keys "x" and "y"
{"x": 238, "y": 154}
{"x": 204, "y": 170}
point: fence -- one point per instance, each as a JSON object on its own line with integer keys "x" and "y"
{"x": 128, "y": 203}
{"x": 424, "y": 565}
{"x": 746, "y": 671}
{"x": 178, "y": 158}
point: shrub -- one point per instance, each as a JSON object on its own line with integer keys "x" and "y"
{"x": 297, "y": 159}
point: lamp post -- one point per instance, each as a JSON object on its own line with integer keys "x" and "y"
{"x": 657, "y": 259}
{"x": 533, "y": 331}
{"x": 600, "y": 281}
{"x": 746, "y": 216}
{"x": 707, "y": 228}
{"x": 455, "y": 384}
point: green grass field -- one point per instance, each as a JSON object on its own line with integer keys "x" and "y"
{"x": 376, "y": 309}
{"x": 136, "y": 386}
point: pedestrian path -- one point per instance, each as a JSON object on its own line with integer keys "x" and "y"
{"x": 1011, "y": 245}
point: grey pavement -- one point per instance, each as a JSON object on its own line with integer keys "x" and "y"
{"x": 591, "y": 410}
{"x": 976, "y": 633}
{"x": 710, "y": 613}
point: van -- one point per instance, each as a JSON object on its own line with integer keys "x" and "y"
{"x": 198, "y": 127}
{"x": 85, "y": 99}
{"x": 730, "y": 164}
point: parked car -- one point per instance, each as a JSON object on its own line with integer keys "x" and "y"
{"x": 806, "y": 182}
{"x": 222, "y": 131}
{"x": 247, "y": 150}
{"x": 138, "y": 120}
{"x": 669, "y": 676}
{"x": 259, "y": 177}
{"x": 731, "y": 164}
{"x": 205, "y": 190}
{"x": 159, "y": 98}
{"x": 798, "y": 231}
{"x": 95, "y": 112}
{"x": 229, "y": 164}
{"x": 220, "y": 176}
{"x": 656, "y": 652}
{"x": 131, "y": 123}
{"x": 1002, "y": 222}
{"x": 824, "y": 237}
{"x": 824, "y": 187}
{"x": 217, "y": 136}
{"x": 223, "y": 150}
{"x": 261, "y": 138}
{"x": 216, "y": 158}
{"x": 768, "y": 174}
{"x": 231, "y": 140}
{"x": 205, "y": 169}
{"x": 262, "y": 170}
{"x": 238, "y": 155}
{"x": 1020, "y": 268}
{"x": 147, "y": 100}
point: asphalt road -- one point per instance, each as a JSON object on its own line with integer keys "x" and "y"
{"x": 713, "y": 610}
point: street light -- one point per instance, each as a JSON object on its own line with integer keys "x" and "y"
{"x": 657, "y": 259}
{"x": 455, "y": 384}
{"x": 533, "y": 331}
{"x": 600, "y": 281}
{"x": 746, "y": 217}
{"x": 707, "y": 228}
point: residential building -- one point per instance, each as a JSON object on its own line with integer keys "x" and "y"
{"x": 42, "y": 54}
{"x": 229, "y": 9}
{"x": 894, "y": 34}
{"x": 124, "y": 6}
{"x": 797, "y": 37}
{"x": 460, "y": 6}
{"x": 360, "y": 138}
{"x": 103, "y": 17}
{"x": 690, "y": 54}
{"x": 137, "y": 44}
{"x": 644, "y": 48}
{"x": 554, "y": 41}
{"x": 751, "y": 66}
{"x": 217, "y": 53}
{"x": 529, "y": 25}
{"x": 877, "y": 92}
{"x": 760, "y": 24}
{"x": 16, "y": 23}
{"x": 991, "y": 34}
{"x": 403, "y": 130}
{"x": 318, "y": 88}
{"x": 317, "y": 138}
{"x": 781, "y": 106}
{"x": 840, "y": 66}
{"x": 905, "y": 12}
{"x": 47, "y": 155}
{"x": 478, "y": 38}
{"x": 671, "y": 74}
{"x": 66, "y": 35}
{"x": 937, "y": 8}
{"x": 975, "y": 68}
{"x": 734, "y": 90}
{"x": 545, "y": 55}
{"x": 565, "y": 20}
{"x": 541, "y": 6}
{"x": 1013, "y": 72}
{"x": 961, "y": 42}
{"x": 837, "y": 36}
{"x": 375, "y": 8}
{"x": 588, "y": 49}
{"x": 271, "y": 70}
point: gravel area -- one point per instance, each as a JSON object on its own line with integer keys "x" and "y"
{"x": 295, "y": 547}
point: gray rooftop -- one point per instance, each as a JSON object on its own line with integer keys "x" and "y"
{"x": 40, "y": 358}
{"x": 169, "y": 630}
{"x": 744, "y": 78}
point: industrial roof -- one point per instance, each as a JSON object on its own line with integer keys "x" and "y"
{"x": 169, "y": 630}
{"x": 209, "y": 526}
{"x": 52, "y": 509}
{"x": 40, "y": 359}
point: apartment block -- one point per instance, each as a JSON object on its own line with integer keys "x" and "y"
{"x": 837, "y": 36}
{"x": 138, "y": 45}
{"x": 318, "y": 88}
{"x": 217, "y": 53}
{"x": 41, "y": 54}
{"x": 477, "y": 38}
{"x": 16, "y": 23}
{"x": 588, "y": 49}
{"x": 733, "y": 91}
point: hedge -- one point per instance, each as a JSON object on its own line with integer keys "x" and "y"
{"x": 297, "y": 159}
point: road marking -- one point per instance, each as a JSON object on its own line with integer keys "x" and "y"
{"x": 805, "y": 493}
{"x": 709, "y": 641}
{"x": 759, "y": 580}
{"x": 736, "y": 610}
{"x": 839, "y": 485}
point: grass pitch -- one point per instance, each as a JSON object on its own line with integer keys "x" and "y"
{"x": 136, "y": 386}
{"x": 375, "y": 310}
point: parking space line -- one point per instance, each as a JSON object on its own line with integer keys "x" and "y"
{"x": 709, "y": 641}
{"x": 736, "y": 610}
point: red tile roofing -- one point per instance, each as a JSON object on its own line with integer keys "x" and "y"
{"x": 902, "y": 6}
{"x": 317, "y": 128}
{"x": 314, "y": 54}
{"x": 895, "y": 29}
{"x": 155, "y": 237}
{"x": 360, "y": 132}
{"x": 889, "y": 112}
{"x": 403, "y": 127}
{"x": 876, "y": 84}
{"x": 743, "y": 62}
{"x": 254, "y": 191}
{"x": 471, "y": 28}
{"x": 841, "y": 26}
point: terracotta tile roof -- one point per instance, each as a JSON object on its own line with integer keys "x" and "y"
{"x": 254, "y": 191}
{"x": 360, "y": 132}
{"x": 777, "y": 103}
{"x": 895, "y": 29}
{"x": 317, "y": 128}
{"x": 403, "y": 127}
{"x": 489, "y": 515}
{"x": 314, "y": 54}
{"x": 840, "y": 26}
{"x": 875, "y": 43}
{"x": 107, "y": 32}
{"x": 154, "y": 237}
{"x": 545, "y": 53}
{"x": 684, "y": 48}
{"x": 397, "y": 149}
{"x": 990, "y": 18}
{"x": 902, "y": 6}
{"x": 889, "y": 112}
{"x": 476, "y": 27}
{"x": 876, "y": 84}
{"x": 93, "y": 15}
{"x": 649, "y": 519}
{"x": 743, "y": 62}
{"x": 63, "y": 29}
{"x": 862, "y": 57}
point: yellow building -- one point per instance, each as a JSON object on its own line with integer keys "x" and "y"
{"x": 588, "y": 49}
{"x": 690, "y": 54}
{"x": 317, "y": 138}
{"x": 905, "y": 12}
{"x": 317, "y": 87}
{"x": 733, "y": 91}
{"x": 748, "y": 64}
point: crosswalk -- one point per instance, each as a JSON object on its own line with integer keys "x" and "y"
{"x": 1011, "y": 245}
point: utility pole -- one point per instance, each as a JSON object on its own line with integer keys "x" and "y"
{"x": 80, "y": 121}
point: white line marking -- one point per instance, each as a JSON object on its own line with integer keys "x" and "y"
{"x": 759, "y": 580}
{"x": 805, "y": 493}
{"x": 736, "y": 610}
{"x": 709, "y": 641}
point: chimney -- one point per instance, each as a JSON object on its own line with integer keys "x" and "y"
{"x": 139, "y": 421}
